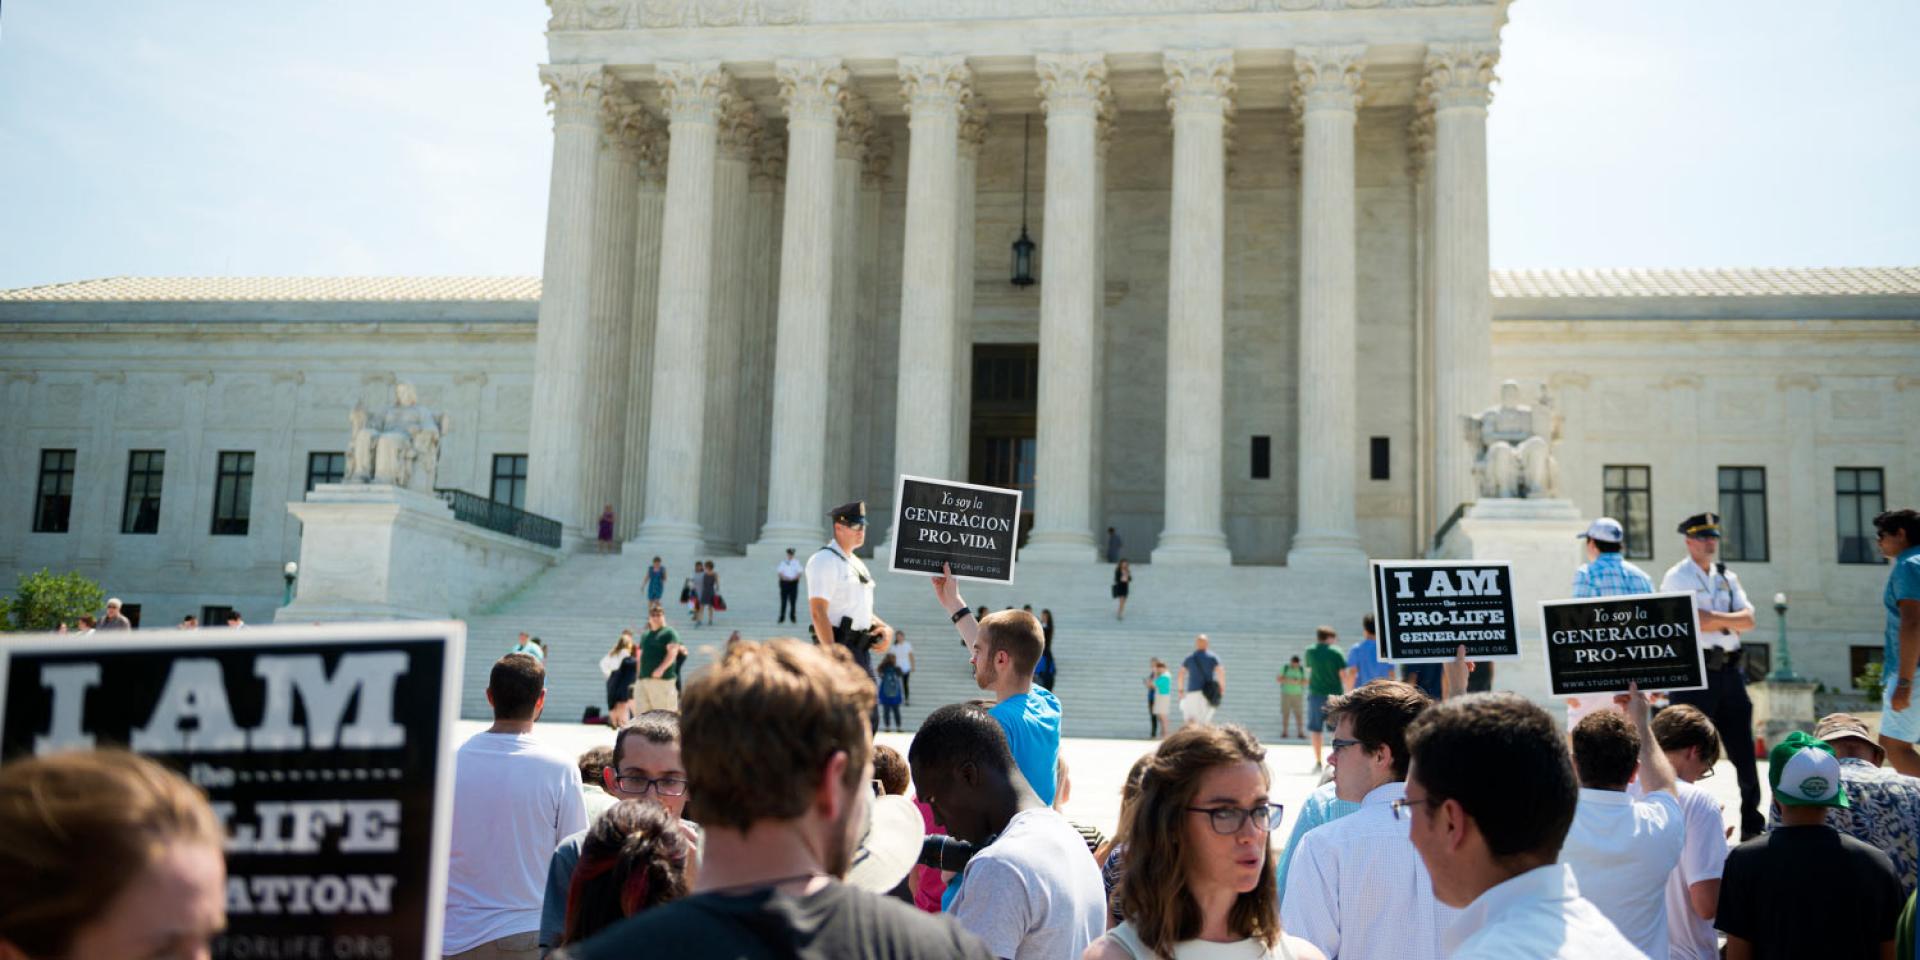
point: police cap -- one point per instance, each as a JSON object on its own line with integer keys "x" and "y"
{"x": 852, "y": 514}
{"x": 1701, "y": 525}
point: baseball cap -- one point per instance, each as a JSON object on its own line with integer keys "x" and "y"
{"x": 1805, "y": 773}
{"x": 1605, "y": 530}
{"x": 1836, "y": 725}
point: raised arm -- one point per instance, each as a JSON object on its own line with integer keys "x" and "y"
{"x": 946, "y": 589}
{"x": 1656, "y": 771}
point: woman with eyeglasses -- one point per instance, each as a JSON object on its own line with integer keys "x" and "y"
{"x": 1199, "y": 883}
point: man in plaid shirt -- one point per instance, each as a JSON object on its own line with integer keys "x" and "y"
{"x": 1605, "y": 574}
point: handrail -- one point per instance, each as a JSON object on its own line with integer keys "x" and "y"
{"x": 501, "y": 517}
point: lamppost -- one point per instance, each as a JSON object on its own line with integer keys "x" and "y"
{"x": 1785, "y": 669}
{"x": 291, "y": 572}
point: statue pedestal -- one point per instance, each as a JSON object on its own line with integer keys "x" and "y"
{"x": 380, "y": 552}
{"x": 1781, "y": 707}
{"x": 1537, "y": 537}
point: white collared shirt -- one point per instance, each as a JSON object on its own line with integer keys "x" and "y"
{"x": 789, "y": 569}
{"x": 838, "y": 579}
{"x": 1538, "y": 915}
{"x": 1702, "y": 858}
{"x": 1622, "y": 850}
{"x": 1711, "y": 591}
{"x": 1356, "y": 887}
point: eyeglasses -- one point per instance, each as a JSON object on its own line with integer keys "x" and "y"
{"x": 1400, "y": 806}
{"x": 1228, "y": 820}
{"x": 661, "y": 787}
{"x": 1338, "y": 744}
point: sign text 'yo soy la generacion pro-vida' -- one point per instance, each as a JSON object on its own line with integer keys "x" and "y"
{"x": 1603, "y": 644}
{"x": 972, "y": 529}
{"x": 1425, "y": 610}
{"x": 325, "y": 751}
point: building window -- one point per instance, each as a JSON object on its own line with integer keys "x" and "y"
{"x": 510, "y": 479}
{"x": 1379, "y": 458}
{"x": 53, "y": 500}
{"x": 1743, "y": 514}
{"x": 1262, "y": 458}
{"x": 214, "y": 615}
{"x": 132, "y": 612}
{"x": 1859, "y": 495}
{"x": 233, "y": 494}
{"x": 1627, "y": 496}
{"x": 145, "y": 471}
{"x": 1858, "y": 657}
{"x": 325, "y": 468}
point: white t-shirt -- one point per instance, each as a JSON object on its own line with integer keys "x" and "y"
{"x": 1034, "y": 893}
{"x": 836, "y": 577}
{"x": 512, "y": 805}
{"x": 903, "y": 655}
{"x": 1621, "y": 851}
{"x": 1702, "y": 858}
{"x": 789, "y": 569}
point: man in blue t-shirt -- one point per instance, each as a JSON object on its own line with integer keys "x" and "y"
{"x": 1363, "y": 659}
{"x": 1004, "y": 648}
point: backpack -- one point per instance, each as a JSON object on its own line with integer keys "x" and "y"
{"x": 890, "y": 686}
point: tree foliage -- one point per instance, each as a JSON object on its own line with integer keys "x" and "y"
{"x": 43, "y": 600}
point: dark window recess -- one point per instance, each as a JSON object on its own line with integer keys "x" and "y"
{"x": 214, "y": 615}
{"x": 1263, "y": 458}
{"x": 53, "y": 497}
{"x": 1380, "y": 458}
{"x": 132, "y": 612}
{"x": 1743, "y": 514}
{"x": 510, "y": 480}
{"x": 233, "y": 494}
{"x": 1627, "y": 496}
{"x": 1858, "y": 656}
{"x": 325, "y": 467}
{"x": 146, "y": 469}
{"x": 1859, "y": 495}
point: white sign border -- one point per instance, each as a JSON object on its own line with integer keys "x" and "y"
{"x": 899, "y": 494}
{"x": 1382, "y": 628}
{"x": 1546, "y": 645}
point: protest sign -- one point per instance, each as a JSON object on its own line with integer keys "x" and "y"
{"x": 1600, "y": 645}
{"x": 326, "y": 752}
{"x": 1424, "y": 610}
{"x": 973, "y": 529}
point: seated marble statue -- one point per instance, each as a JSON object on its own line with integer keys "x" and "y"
{"x": 399, "y": 445}
{"x": 1515, "y": 443}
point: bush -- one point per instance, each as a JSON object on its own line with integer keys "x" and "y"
{"x": 44, "y": 600}
{"x": 1871, "y": 682}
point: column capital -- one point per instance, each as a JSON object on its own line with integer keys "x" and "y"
{"x": 973, "y": 128}
{"x": 814, "y": 91}
{"x": 740, "y": 129}
{"x": 1328, "y": 78}
{"x": 693, "y": 91}
{"x": 1459, "y": 74}
{"x": 640, "y": 136}
{"x": 1105, "y": 121}
{"x": 935, "y": 83}
{"x": 1420, "y": 139}
{"x": 1072, "y": 84}
{"x": 770, "y": 161}
{"x": 573, "y": 92}
{"x": 1199, "y": 81}
{"x": 879, "y": 159}
{"x": 856, "y": 129}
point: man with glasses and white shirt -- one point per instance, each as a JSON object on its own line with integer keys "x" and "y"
{"x": 1356, "y": 888}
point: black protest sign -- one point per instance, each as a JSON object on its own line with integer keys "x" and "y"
{"x": 1601, "y": 645}
{"x": 1424, "y": 610}
{"x": 972, "y": 529}
{"x": 325, "y": 752}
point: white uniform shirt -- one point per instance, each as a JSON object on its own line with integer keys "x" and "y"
{"x": 1711, "y": 591}
{"x": 1538, "y": 915}
{"x": 789, "y": 569}
{"x": 843, "y": 582}
{"x": 1622, "y": 850}
{"x": 1357, "y": 888}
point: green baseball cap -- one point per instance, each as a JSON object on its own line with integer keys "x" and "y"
{"x": 1805, "y": 773}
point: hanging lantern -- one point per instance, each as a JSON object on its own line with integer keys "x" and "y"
{"x": 1023, "y": 248}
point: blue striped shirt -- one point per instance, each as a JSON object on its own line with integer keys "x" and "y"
{"x": 1610, "y": 576}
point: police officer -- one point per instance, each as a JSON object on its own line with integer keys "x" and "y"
{"x": 1724, "y": 615}
{"x": 840, "y": 590}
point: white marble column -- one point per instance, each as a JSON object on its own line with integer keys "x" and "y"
{"x": 848, "y": 365}
{"x": 973, "y": 134}
{"x": 796, "y": 497}
{"x": 1457, "y": 80}
{"x": 756, "y": 361}
{"x": 1097, "y": 502}
{"x": 1327, "y": 96}
{"x": 721, "y": 442}
{"x": 1419, "y": 170}
{"x": 870, "y": 460}
{"x": 556, "y": 443}
{"x": 649, "y": 205}
{"x": 610, "y": 305}
{"x": 1073, "y": 89}
{"x": 1199, "y": 92}
{"x": 936, "y": 89}
{"x": 694, "y": 94}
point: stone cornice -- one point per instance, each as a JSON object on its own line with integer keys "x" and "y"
{"x": 740, "y": 129}
{"x": 1459, "y": 74}
{"x": 935, "y": 83}
{"x": 603, "y": 15}
{"x": 813, "y": 91}
{"x": 1328, "y": 78}
{"x": 1199, "y": 81}
{"x": 693, "y": 91}
{"x": 1072, "y": 84}
{"x": 573, "y": 92}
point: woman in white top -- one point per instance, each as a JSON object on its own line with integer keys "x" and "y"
{"x": 617, "y": 668}
{"x": 1199, "y": 881}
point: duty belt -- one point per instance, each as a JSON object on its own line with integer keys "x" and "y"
{"x": 1719, "y": 658}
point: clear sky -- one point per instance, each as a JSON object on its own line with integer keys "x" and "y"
{"x": 363, "y": 137}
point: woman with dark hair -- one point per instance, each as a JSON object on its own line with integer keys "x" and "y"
{"x": 634, "y": 857}
{"x": 1198, "y": 881}
{"x": 1046, "y": 669}
{"x": 1122, "y": 584}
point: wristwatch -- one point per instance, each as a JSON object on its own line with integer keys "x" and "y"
{"x": 963, "y": 611}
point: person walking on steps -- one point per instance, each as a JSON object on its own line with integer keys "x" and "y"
{"x": 1122, "y": 582}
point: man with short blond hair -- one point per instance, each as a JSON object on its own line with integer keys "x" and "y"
{"x": 1004, "y": 648}
{"x": 1692, "y": 745}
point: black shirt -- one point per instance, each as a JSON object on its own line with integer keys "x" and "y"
{"x": 837, "y": 921}
{"x": 1809, "y": 892}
